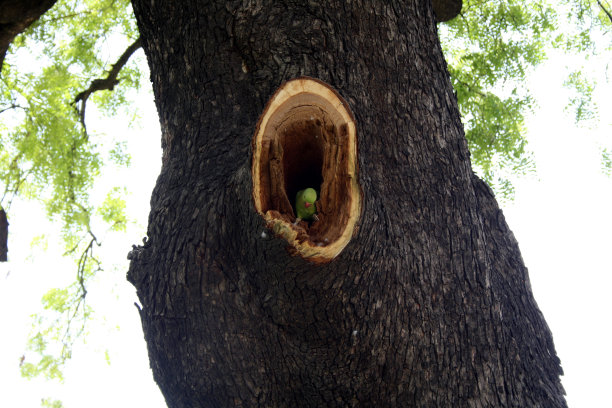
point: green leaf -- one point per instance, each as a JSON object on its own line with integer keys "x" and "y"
{"x": 113, "y": 209}
{"x": 606, "y": 161}
{"x": 51, "y": 403}
{"x": 581, "y": 103}
{"x": 107, "y": 357}
{"x": 56, "y": 300}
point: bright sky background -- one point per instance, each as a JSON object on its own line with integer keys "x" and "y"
{"x": 561, "y": 218}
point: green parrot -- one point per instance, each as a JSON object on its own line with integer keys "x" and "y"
{"x": 304, "y": 205}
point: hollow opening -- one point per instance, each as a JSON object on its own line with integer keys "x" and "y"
{"x": 303, "y": 149}
{"x": 306, "y": 139}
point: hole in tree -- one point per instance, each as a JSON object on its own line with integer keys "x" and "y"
{"x": 306, "y": 149}
{"x": 306, "y": 138}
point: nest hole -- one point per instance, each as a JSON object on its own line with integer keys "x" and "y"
{"x": 306, "y": 138}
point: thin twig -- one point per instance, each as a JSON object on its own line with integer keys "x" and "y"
{"x": 13, "y": 106}
{"x": 67, "y": 16}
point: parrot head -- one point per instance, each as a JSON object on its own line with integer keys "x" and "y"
{"x": 310, "y": 196}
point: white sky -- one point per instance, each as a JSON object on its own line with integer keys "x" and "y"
{"x": 563, "y": 223}
{"x": 561, "y": 218}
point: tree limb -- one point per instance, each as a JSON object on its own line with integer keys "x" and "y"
{"x": 13, "y": 106}
{"x": 107, "y": 83}
{"x": 87, "y": 254}
{"x": 446, "y": 9}
{"x": 605, "y": 10}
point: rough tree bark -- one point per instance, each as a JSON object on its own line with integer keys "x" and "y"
{"x": 429, "y": 304}
{"x": 3, "y": 236}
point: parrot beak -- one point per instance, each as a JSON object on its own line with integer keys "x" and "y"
{"x": 307, "y": 204}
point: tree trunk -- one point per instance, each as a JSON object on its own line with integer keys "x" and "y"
{"x": 15, "y": 17}
{"x": 3, "y": 236}
{"x": 428, "y": 305}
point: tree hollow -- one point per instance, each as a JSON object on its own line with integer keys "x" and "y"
{"x": 306, "y": 137}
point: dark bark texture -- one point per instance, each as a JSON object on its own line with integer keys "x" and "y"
{"x": 429, "y": 305}
{"x": 3, "y": 236}
{"x": 16, "y": 16}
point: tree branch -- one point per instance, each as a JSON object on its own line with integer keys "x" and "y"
{"x": 446, "y": 9}
{"x": 87, "y": 254}
{"x": 11, "y": 107}
{"x": 107, "y": 83}
{"x": 605, "y": 10}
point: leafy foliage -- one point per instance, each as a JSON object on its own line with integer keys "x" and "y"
{"x": 589, "y": 18}
{"x": 49, "y": 403}
{"x": 580, "y": 103}
{"x": 112, "y": 209}
{"x": 606, "y": 161}
{"x": 46, "y": 154}
{"x": 55, "y": 331}
{"x": 490, "y": 48}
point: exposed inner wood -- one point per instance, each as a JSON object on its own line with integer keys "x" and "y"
{"x": 306, "y": 138}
